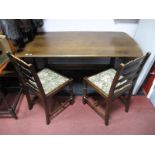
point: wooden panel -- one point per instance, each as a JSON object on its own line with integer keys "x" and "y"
{"x": 81, "y": 44}
{"x": 4, "y": 44}
{"x": 4, "y": 47}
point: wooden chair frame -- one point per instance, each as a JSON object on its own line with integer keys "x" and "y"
{"x": 130, "y": 72}
{"x": 31, "y": 82}
{"x": 10, "y": 109}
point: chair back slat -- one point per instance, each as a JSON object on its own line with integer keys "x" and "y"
{"x": 133, "y": 63}
{"x": 131, "y": 70}
{"x": 121, "y": 91}
{"x": 127, "y": 75}
{"x": 24, "y": 69}
{"x": 122, "y": 79}
{"x": 32, "y": 88}
{"x": 122, "y": 85}
{"x": 28, "y": 77}
{"x": 27, "y": 74}
{"x": 132, "y": 77}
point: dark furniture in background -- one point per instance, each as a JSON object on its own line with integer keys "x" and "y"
{"x": 19, "y": 31}
{"x": 8, "y": 103}
{"x": 10, "y": 90}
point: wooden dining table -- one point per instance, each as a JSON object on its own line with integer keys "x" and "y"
{"x": 79, "y": 45}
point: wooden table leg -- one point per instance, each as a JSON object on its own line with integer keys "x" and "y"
{"x": 112, "y": 62}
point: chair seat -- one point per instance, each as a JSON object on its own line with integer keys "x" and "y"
{"x": 103, "y": 80}
{"x": 51, "y": 80}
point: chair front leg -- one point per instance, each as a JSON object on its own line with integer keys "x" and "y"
{"x": 46, "y": 108}
{"x": 84, "y": 99}
{"x": 107, "y": 111}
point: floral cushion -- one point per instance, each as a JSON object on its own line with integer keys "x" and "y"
{"x": 104, "y": 80}
{"x": 50, "y": 80}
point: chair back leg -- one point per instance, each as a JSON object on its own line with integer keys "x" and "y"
{"x": 71, "y": 92}
{"x": 26, "y": 92}
{"x": 127, "y": 105}
{"x": 84, "y": 98}
{"x": 107, "y": 110}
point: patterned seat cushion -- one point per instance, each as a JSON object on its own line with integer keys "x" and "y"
{"x": 103, "y": 80}
{"x": 50, "y": 80}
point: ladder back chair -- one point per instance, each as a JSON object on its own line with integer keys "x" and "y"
{"x": 111, "y": 84}
{"x": 43, "y": 84}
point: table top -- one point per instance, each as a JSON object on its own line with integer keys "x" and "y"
{"x": 81, "y": 44}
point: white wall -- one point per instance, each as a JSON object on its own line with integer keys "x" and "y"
{"x": 145, "y": 37}
{"x": 89, "y": 25}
